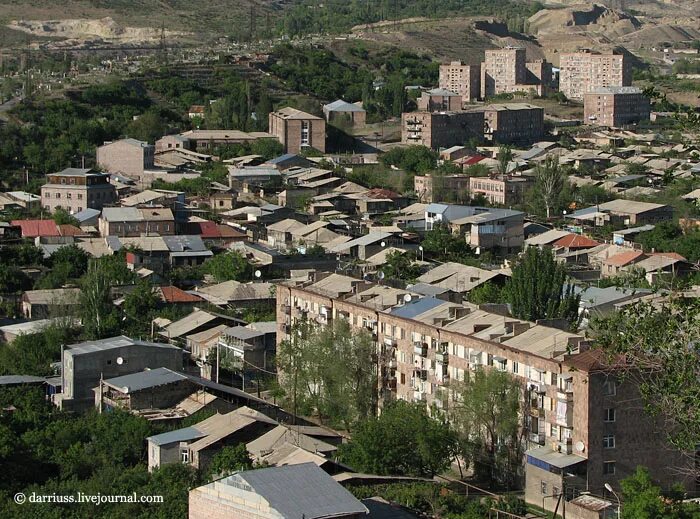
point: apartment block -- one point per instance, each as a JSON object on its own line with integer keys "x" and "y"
{"x": 615, "y": 106}
{"x": 580, "y": 428}
{"x": 133, "y": 222}
{"x": 441, "y": 129}
{"x": 439, "y": 100}
{"x": 520, "y": 123}
{"x": 502, "y": 70}
{"x": 583, "y": 72}
{"x": 463, "y": 79}
{"x": 75, "y": 189}
{"x": 539, "y": 73}
{"x": 205, "y": 141}
{"x": 297, "y": 130}
{"x": 129, "y": 157}
{"x": 426, "y": 186}
{"x": 499, "y": 190}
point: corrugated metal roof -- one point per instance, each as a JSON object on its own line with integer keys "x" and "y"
{"x": 180, "y": 435}
{"x": 415, "y": 308}
{"x": 145, "y": 379}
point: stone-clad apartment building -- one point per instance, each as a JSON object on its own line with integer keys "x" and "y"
{"x": 585, "y": 426}
{"x": 461, "y": 79}
{"x": 583, "y": 72}
{"x": 615, "y": 106}
{"x": 297, "y": 130}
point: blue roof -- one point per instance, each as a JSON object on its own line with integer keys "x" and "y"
{"x": 86, "y": 214}
{"x": 179, "y": 435}
{"x": 415, "y": 308}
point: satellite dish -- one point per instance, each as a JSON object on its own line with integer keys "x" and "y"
{"x": 580, "y": 446}
{"x": 407, "y": 298}
{"x": 120, "y": 361}
{"x": 258, "y": 274}
{"x": 380, "y": 275}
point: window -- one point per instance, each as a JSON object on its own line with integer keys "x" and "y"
{"x": 184, "y": 455}
{"x": 609, "y": 415}
{"x": 554, "y": 379}
{"x": 80, "y": 196}
{"x": 543, "y": 487}
{"x": 304, "y": 133}
{"x": 58, "y": 195}
{"x": 555, "y": 431}
{"x": 515, "y": 367}
{"x": 608, "y": 468}
{"x": 609, "y": 441}
{"x": 609, "y": 388}
{"x": 69, "y": 195}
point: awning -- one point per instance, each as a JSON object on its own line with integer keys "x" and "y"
{"x": 544, "y": 456}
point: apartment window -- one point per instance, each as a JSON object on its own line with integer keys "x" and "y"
{"x": 543, "y": 487}
{"x": 80, "y": 196}
{"x": 515, "y": 367}
{"x": 608, "y": 468}
{"x": 554, "y": 379}
{"x": 58, "y": 195}
{"x": 304, "y": 133}
{"x": 609, "y": 415}
{"x": 69, "y": 195}
{"x": 609, "y": 388}
{"x": 63, "y": 181}
{"x": 555, "y": 431}
{"x": 184, "y": 455}
{"x": 80, "y": 209}
{"x": 609, "y": 441}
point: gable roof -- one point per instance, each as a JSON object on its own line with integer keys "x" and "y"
{"x": 110, "y": 343}
{"x": 575, "y": 241}
{"x": 173, "y": 294}
{"x": 343, "y": 106}
{"x": 34, "y": 228}
{"x": 292, "y": 113}
{"x": 624, "y": 258}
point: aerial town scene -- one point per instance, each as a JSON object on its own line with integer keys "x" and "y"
{"x": 347, "y": 259}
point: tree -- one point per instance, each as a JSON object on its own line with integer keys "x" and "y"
{"x": 504, "y": 157}
{"x": 73, "y": 258}
{"x": 230, "y": 459}
{"x": 63, "y": 217}
{"x": 329, "y": 371}
{"x": 549, "y": 181}
{"x": 98, "y": 313}
{"x": 488, "y": 292}
{"x": 644, "y": 500}
{"x": 13, "y": 280}
{"x": 538, "y": 288}
{"x": 440, "y": 244}
{"x": 485, "y": 414}
{"x": 139, "y": 306}
{"x": 400, "y": 266}
{"x": 403, "y": 440}
{"x": 229, "y": 265}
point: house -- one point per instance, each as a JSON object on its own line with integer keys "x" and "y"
{"x": 439, "y": 100}
{"x": 623, "y": 213}
{"x": 19, "y": 200}
{"x": 597, "y": 302}
{"x": 615, "y": 264}
{"x": 207, "y": 140}
{"x": 255, "y": 175}
{"x": 297, "y": 130}
{"x": 309, "y": 493}
{"x": 460, "y": 279}
{"x": 197, "y": 321}
{"x": 196, "y": 112}
{"x": 286, "y": 446}
{"x": 37, "y": 228}
{"x": 238, "y": 295}
{"x": 290, "y": 160}
{"x": 248, "y": 349}
{"x": 279, "y": 234}
{"x": 574, "y": 242}
{"x": 84, "y": 365}
{"x": 502, "y": 190}
{"x": 342, "y": 113}
{"x": 198, "y": 444}
{"x": 175, "y": 200}
{"x": 128, "y": 157}
{"x": 214, "y": 234}
{"x": 133, "y": 221}
{"x": 200, "y": 344}
{"x": 75, "y": 189}
{"x": 43, "y": 304}
{"x": 365, "y": 246}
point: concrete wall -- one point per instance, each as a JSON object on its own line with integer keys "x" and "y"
{"x": 127, "y": 159}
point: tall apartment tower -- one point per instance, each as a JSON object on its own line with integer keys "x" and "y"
{"x": 462, "y": 79}
{"x": 503, "y": 71}
{"x": 583, "y": 72}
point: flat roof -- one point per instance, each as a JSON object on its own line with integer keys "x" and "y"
{"x": 145, "y": 379}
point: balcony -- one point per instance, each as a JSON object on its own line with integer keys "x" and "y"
{"x": 442, "y": 357}
{"x": 420, "y": 349}
{"x": 565, "y": 419}
{"x": 286, "y": 309}
{"x": 393, "y": 364}
{"x": 564, "y": 446}
{"x": 391, "y": 383}
{"x": 421, "y": 374}
{"x": 538, "y": 438}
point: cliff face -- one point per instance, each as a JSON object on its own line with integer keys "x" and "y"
{"x": 593, "y": 17}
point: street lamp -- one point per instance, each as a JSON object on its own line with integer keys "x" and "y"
{"x": 420, "y": 248}
{"x": 609, "y": 488}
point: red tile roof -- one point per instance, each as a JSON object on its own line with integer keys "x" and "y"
{"x": 471, "y": 160}
{"x": 34, "y": 228}
{"x": 575, "y": 241}
{"x": 70, "y": 230}
{"x": 672, "y": 255}
{"x": 624, "y": 258}
{"x": 175, "y": 295}
{"x": 382, "y": 193}
{"x": 211, "y": 230}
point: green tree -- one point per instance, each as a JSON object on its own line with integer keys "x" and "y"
{"x": 73, "y": 258}
{"x": 399, "y": 265}
{"x": 486, "y": 416}
{"x": 98, "y": 314}
{"x": 538, "y": 288}
{"x": 229, "y": 265}
{"x": 549, "y": 181}
{"x": 230, "y": 459}
{"x": 440, "y": 244}
{"x": 403, "y": 440}
{"x": 139, "y": 307}
{"x": 63, "y": 217}
{"x": 488, "y": 292}
{"x": 504, "y": 158}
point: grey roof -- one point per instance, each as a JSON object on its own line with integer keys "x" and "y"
{"x": 242, "y": 333}
{"x": 367, "y": 239}
{"x": 185, "y": 243}
{"x": 86, "y": 214}
{"x": 113, "y": 343}
{"x": 415, "y": 308}
{"x": 179, "y": 435}
{"x": 343, "y": 106}
{"x": 121, "y": 214}
{"x": 77, "y": 172}
{"x": 12, "y": 380}
{"x": 635, "y": 230}
{"x": 594, "y": 296}
{"x": 296, "y": 491}
{"x": 616, "y": 90}
{"x": 145, "y": 379}
{"x": 426, "y": 289}
{"x": 442, "y": 92}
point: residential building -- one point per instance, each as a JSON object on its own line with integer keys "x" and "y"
{"x": 309, "y": 492}
{"x": 429, "y": 188}
{"x": 439, "y": 100}
{"x": 196, "y": 112}
{"x": 297, "y": 130}
{"x": 175, "y": 200}
{"x": 19, "y": 200}
{"x": 539, "y": 73}
{"x": 502, "y": 190}
{"x": 75, "y": 189}
{"x": 43, "y": 304}
{"x": 207, "y": 140}
{"x": 198, "y": 444}
{"x": 512, "y": 123}
{"x": 345, "y": 114}
{"x": 463, "y": 79}
{"x": 502, "y": 70}
{"x": 615, "y": 106}
{"x": 576, "y": 413}
{"x": 583, "y": 72}
{"x": 442, "y": 129}
{"x": 126, "y": 222}
{"x": 250, "y": 350}
{"x": 623, "y": 213}
{"x": 85, "y": 364}
{"x": 128, "y": 157}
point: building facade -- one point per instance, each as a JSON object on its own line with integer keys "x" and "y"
{"x": 502, "y": 70}
{"x": 499, "y": 190}
{"x": 75, "y": 189}
{"x": 575, "y": 411}
{"x": 615, "y": 106}
{"x": 583, "y": 72}
{"x": 441, "y": 129}
{"x": 427, "y": 187}
{"x": 128, "y": 157}
{"x": 297, "y": 130}
{"x": 462, "y": 79}
{"x": 514, "y": 123}
{"x": 439, "y": 100}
